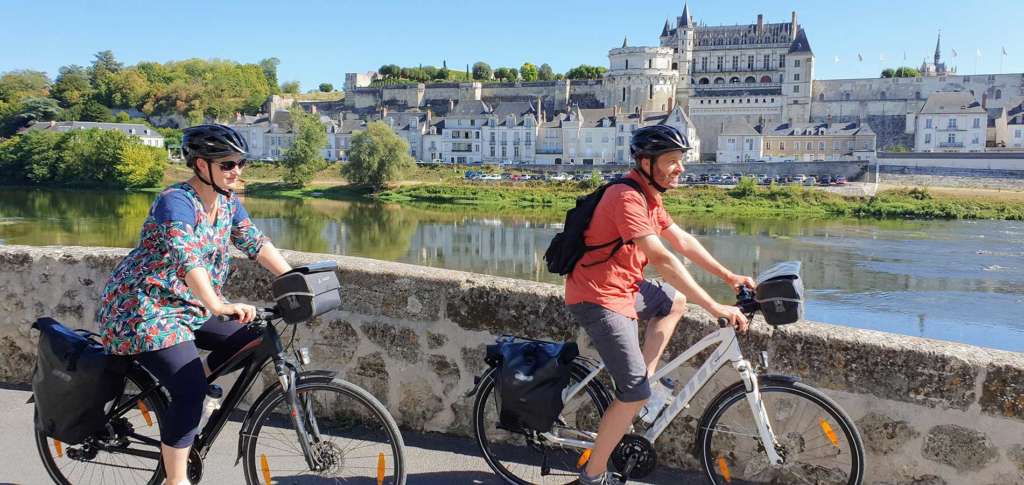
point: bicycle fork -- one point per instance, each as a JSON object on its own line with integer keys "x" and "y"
{"x": 764, "y": 427}
{"x": 299, "y": 412}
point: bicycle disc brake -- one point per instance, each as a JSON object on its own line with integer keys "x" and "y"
{"x": 636, "y": 449}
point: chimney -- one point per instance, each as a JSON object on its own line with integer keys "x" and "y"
{"x": 451, "y": 105}
{"x": 793, "y": 26}
{"x": 312, "y": 108}
{"x": 671, "y": 102}
{"x": 383, "y": 112}
{"x": 615, "y": 110}
{"x": 984, "y": 101}
{"x": 430, "y": 116}
{"x": 760, "y": 23}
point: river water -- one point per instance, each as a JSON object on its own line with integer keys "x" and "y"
{"x": 951, "y": 280}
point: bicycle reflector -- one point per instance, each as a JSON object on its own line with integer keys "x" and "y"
{"x": 829, "y": 433}
{"x": 380, "y": 469}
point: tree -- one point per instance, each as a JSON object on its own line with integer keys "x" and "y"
{"x": 430, "y": 72}
{"x": 29, "y": 111}
{"x": 92, "y": 110}
{"x": 103, "y": 64}
{"x": 140, "y": 166}
{"x": 529, "y": 72}
{"x": 377, "y": 157}
{"x": 907, "y": 72}
{"x": 482, "y": 71}
{"x": 506, "y": 74}
{"x": 545, "y": 73}
{"x": 72, "y": 86}
{"x": 390, "y": 71}
{"x": 290, "y": 87}
{"x": 326, "y": 87}
{"x": 888, "y": 72}
{"x": 269, "y": 68}
{"x": 22, "y": 155}
{"x": 304, "y": 159}
{"x": 442, "y": 74}
{"x": 18, "y": 85}
{"x": 584, "y": 71}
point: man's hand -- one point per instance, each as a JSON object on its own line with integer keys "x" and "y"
{"x": 735, "y": 316}
{"x": 736, "y": 281}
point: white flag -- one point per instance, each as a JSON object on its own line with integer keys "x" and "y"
{"x": 904, "y": 56}
{"x": 954, "y": 54}
{"x": 860, "y": 58}
{"x": 979, "y": 52}
{"x": 837, "y": 60}
{"x": 1004, "y": 50}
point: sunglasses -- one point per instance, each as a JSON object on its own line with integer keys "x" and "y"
{"x": 231, "y": 164}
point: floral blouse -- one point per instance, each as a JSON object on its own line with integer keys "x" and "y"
{"x": 146, "y": 305}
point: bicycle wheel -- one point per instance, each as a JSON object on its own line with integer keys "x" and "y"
{"x": 520, "y": 459}
{"x": 127, "y": 452}
{"x": 817, "y": 440}
{"x": 352, "y": 436}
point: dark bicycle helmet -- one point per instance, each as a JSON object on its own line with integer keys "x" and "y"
{"x": 211, "y": 142}
{"x": 652, "y": 141}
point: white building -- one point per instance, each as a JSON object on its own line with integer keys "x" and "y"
{"x": 149, "y": 136}
{"x": 1015, "y": 125}
{"x": 951, "y": 122}
{"x": 739, "y": 142}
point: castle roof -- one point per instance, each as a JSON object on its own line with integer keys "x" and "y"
{"x": 800, "y": 43}
{"x": 951, "y": 102}
{"x": 736, "y": 126}
{"x": 470, "y": 107}
{"x": 818, "y": 129}
{"x": 665, "y": 31}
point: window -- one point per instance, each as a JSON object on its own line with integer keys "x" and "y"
{"x": 999, "y": 94}
{"x": 732, "y": 143}
{"x": 782, "y": 61}
{"x": 977, "y": 122}
{"x": 750, "y": 62}
{"x": 604, "y": 139}
{"x": 821, "y": 146}
{"x": 721, "y": 59}
{"x": 975, "y": 141}
{"x": 516, "y": 152}
{"x": 809, "y": 145}
{"x": 952, "y": 124}
{"x": 750, "y": 144}
{"x": 650, "y": 91}
{"x": 589, "y": 139}
{"x": 835, "y": 144}
{"x": 796, "y": 89}
{"x": 796, "y": 63}
{"x": 952, "y": 138}
{"x": 796, "y": 77}
{"x": 618, "y": 140}
{"x": 1018, "y": 134}
{"x": 529, "y": 138}
{"x": 927, "y": 138}
{"x": 928, "y": 123}
{"x": 648, "y": 63}
{"x": 472, "y": 122}
{"x": 627, "y": 63}
{"x": 849, "y": 145}
{"x": 767, "y": 61}
{"x": 704, "y": 65}
{"x": 623, "y": 95}
{"x": 735, "y": 62}
{"x": 504, "y": 151}
{"x": 782, "y": 145}
{"x": 767, "y": 145}
{"x": 821, "y": 96}
{"x": 846, "y": 96}
{"x": 675, "y": 66}
{"x": 492, "y": 150}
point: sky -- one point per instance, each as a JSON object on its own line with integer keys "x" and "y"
{"x": 319, "y": 41}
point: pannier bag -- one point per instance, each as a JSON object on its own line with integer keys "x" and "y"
{"x": 307, "y": 291}
{"x": 530, "y": 378}
{"x": 567, "y": 247}
{"x": 75, "y": 382}
{"x": 780, "y": 293}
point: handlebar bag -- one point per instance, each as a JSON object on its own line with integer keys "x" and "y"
{"x": 307, "y": 291}
{"x": 530, "y": 378}
{"x": 75, "y": 382}
{"x": 780, "y": 293}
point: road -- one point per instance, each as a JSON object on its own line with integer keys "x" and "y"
{"x": 433, "y": 459}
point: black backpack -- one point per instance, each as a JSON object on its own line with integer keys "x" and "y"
{"x": 75, "y": 382}
{"x": 530, "y": 377}
{"x": 567, "y": 247}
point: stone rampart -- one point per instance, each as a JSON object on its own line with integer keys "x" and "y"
{"x": 929, "y": 411}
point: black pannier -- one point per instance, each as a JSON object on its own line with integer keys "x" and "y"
{"x": 780, "y": 293}
{"x": 75, "y": 382}
{"x": 530, "y": 377}
{"x": 307, "y": 291}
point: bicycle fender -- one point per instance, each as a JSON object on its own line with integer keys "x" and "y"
{"x": 476, "y": 383}
{"x": 303, "y": 378}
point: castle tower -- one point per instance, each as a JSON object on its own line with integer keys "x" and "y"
{"x": 683, "y": 59}
{"x": 640, "y": 78}
{"x": 938, "y": 49}
{"x": 797, "y": 76}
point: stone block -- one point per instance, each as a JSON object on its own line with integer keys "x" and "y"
{"x": 883, "y": 435}
{"x": 400, "y": 342}
{"x": 1002, "y": 393}
{"x": 371, "y": 374}
{"x": 961, "y": 448}
{"x": 418, "y": 405}
{"x": 446, "y": 371}
{"x": 436, "y": 340}
{"x": 337, "y": 342}
{"x": 511, "y": 309}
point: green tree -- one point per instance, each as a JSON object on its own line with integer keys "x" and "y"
{"x": 430, "y": 72}
{"x": 92, "y": 110}
{"x": 529, "y": 72}
{"x": 907, "y": 72}
{"x": 31, "y": 110}
{"x": 304, "y": 159}
{"x": 482, "y": 71}
{"x": 390, "y": 71}
{"x": 442, "y": 74}
{"x": 377, "y": 157}
{"x": 22, "y": 156}
{"x": 103, "y": 64}
{"x": 18, "y": 85}
{"x": 140, "y": 166}
{"x": 269, "y": 68}
{"x": 126, "y": 88}
{"x": 506, "y": 74}
{"x": 584, "y": 71}
{"x": 290, "y": 87}
{"x": 545, "y": 73}
{"x": 326, "y": 87}
{"x": 72, "y": 86}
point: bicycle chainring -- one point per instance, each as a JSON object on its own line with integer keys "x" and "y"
{"x": 637, "y": 450}
{"x": 195, "y": 466}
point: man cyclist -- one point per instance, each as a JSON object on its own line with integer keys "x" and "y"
{"x": 164, "y": 299}
{"x": 608, "y": 296}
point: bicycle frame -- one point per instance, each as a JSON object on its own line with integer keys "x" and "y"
{"x": 726, "y": 351}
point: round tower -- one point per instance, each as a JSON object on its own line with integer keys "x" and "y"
{"x": 641, "y": 78}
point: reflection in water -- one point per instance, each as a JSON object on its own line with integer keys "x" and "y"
{"x": 943, "y": 279}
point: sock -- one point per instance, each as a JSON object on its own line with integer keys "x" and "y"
{"x": 599, "y": 479}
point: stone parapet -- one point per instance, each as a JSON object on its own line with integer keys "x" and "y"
{"x": 929, "y": 411}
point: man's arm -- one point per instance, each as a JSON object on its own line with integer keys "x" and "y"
{"x": 673, "y": 271}
{"x": 692, "y": 249}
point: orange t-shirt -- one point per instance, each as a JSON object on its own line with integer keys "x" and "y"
{"x": 622, "y": 212}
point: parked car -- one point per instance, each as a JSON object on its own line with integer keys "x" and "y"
{"x": 471, "y": 175}
{"x": 825, "y": 180}
{"x": 811, "y": 180}
{"x": 560, "y": 177}
{"x": 840, "y": 180}
{"x": 799, "y": 178}
{"x": 490, "y": 177}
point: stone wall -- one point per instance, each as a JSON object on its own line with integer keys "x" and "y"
{"x": 929, "y": 411}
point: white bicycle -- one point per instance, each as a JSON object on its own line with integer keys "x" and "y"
{"x": 768, "y": 429}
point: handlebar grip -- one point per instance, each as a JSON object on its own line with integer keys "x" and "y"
{"x": 265, "y": 314}
{"x": 723, "y": 322}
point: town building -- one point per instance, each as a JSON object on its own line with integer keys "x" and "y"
{"x": 951, "y": 122}
{"x": 149, "y": 136}
{"x": 840, "y": 141}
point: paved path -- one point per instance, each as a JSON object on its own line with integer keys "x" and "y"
{"x": 433, "y": 459}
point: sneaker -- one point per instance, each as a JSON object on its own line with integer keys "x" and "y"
{"x": 605, "y": 478}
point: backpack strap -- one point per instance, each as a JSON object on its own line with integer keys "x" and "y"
{"x": 618, "y": 242}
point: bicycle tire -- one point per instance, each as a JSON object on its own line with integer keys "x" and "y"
{"x": 723, "y": 466}
{"x": 257, "y": 468}
{"x": 60, "y": 467}
{"x": 599, "y": 397}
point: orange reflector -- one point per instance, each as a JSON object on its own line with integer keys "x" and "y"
{"x": 584, "y": 458}
{"x": 828, "y": 432}
{"x": 145, "y": 414}
{"x": 266, "y": 468}
{"x": 724, "y": 468}
{"x": 380, "y": 469}
{"x": 59, "y": 447}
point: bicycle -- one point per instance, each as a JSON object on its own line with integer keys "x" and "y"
{"x": 787, "y": 433}
{"x": 310, "y": 425}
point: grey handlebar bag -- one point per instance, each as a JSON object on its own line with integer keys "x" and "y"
{"x": 780, "y": 293}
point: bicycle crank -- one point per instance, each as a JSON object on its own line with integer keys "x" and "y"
{"x": 195, "y": 466}
{"x": 634, "y": 457}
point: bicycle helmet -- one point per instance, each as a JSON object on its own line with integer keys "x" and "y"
{"x": 652, "y": 141}
{"x": 210, "y": 142}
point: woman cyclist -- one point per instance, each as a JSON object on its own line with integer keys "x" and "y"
{"x": 165, "y": 298}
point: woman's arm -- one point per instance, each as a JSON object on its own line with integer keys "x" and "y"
{"x": 198, "y": 281}
{"x": 271, "y": 259}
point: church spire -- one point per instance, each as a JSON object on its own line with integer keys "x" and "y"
{"x": 624, "y": 43}
{"x": 684, "y": 21}
{"x": 938, "y": 49}
{"x": 664, "y": 30}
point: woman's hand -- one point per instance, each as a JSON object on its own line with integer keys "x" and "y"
{"x": 240, "y": 311}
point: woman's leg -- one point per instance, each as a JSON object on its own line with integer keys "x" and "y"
{"x": 180, "y": 371}
{"x": 223, "y": 338}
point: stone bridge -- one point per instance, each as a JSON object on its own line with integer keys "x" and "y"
{"x": 930, "y": 412}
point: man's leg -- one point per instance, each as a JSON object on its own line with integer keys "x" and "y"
{"x": 614, "y": 423}
{"x": 661, "y": 306}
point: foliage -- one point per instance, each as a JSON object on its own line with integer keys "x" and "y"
{"x": 290, "y": 87}
{"x": 377, "y": 157}
{"x": 746, "y": 187}
{"x": 545, "y": 73}
{"x": 506, "y": 74}
{"x": 594, "y": 181}
{"x": 140, "y": 166}
{"x": 304, "y": 158}
{"x": 584, "y": 71}
{"x": 18, "y": 85}
{"x": 482, "y": 71}
{"x": 72, "y": 86}
{"x": 92, "y": 110}
{"x": 901, "y": 72}
{"x": 326, "y": 87}
{"x": 528, "y": 72}
{"x": 16, "y": 116}
{"x": 389, "y": 70}
{"x": 269, "y": 68}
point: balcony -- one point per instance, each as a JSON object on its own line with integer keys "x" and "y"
{"x": 951, "y": 128}
{"x": 955, "y": 144}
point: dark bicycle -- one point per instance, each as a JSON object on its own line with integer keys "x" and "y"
{"x": 308, "y": 427}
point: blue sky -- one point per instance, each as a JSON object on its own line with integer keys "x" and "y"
{"x": 319, "y": 41}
